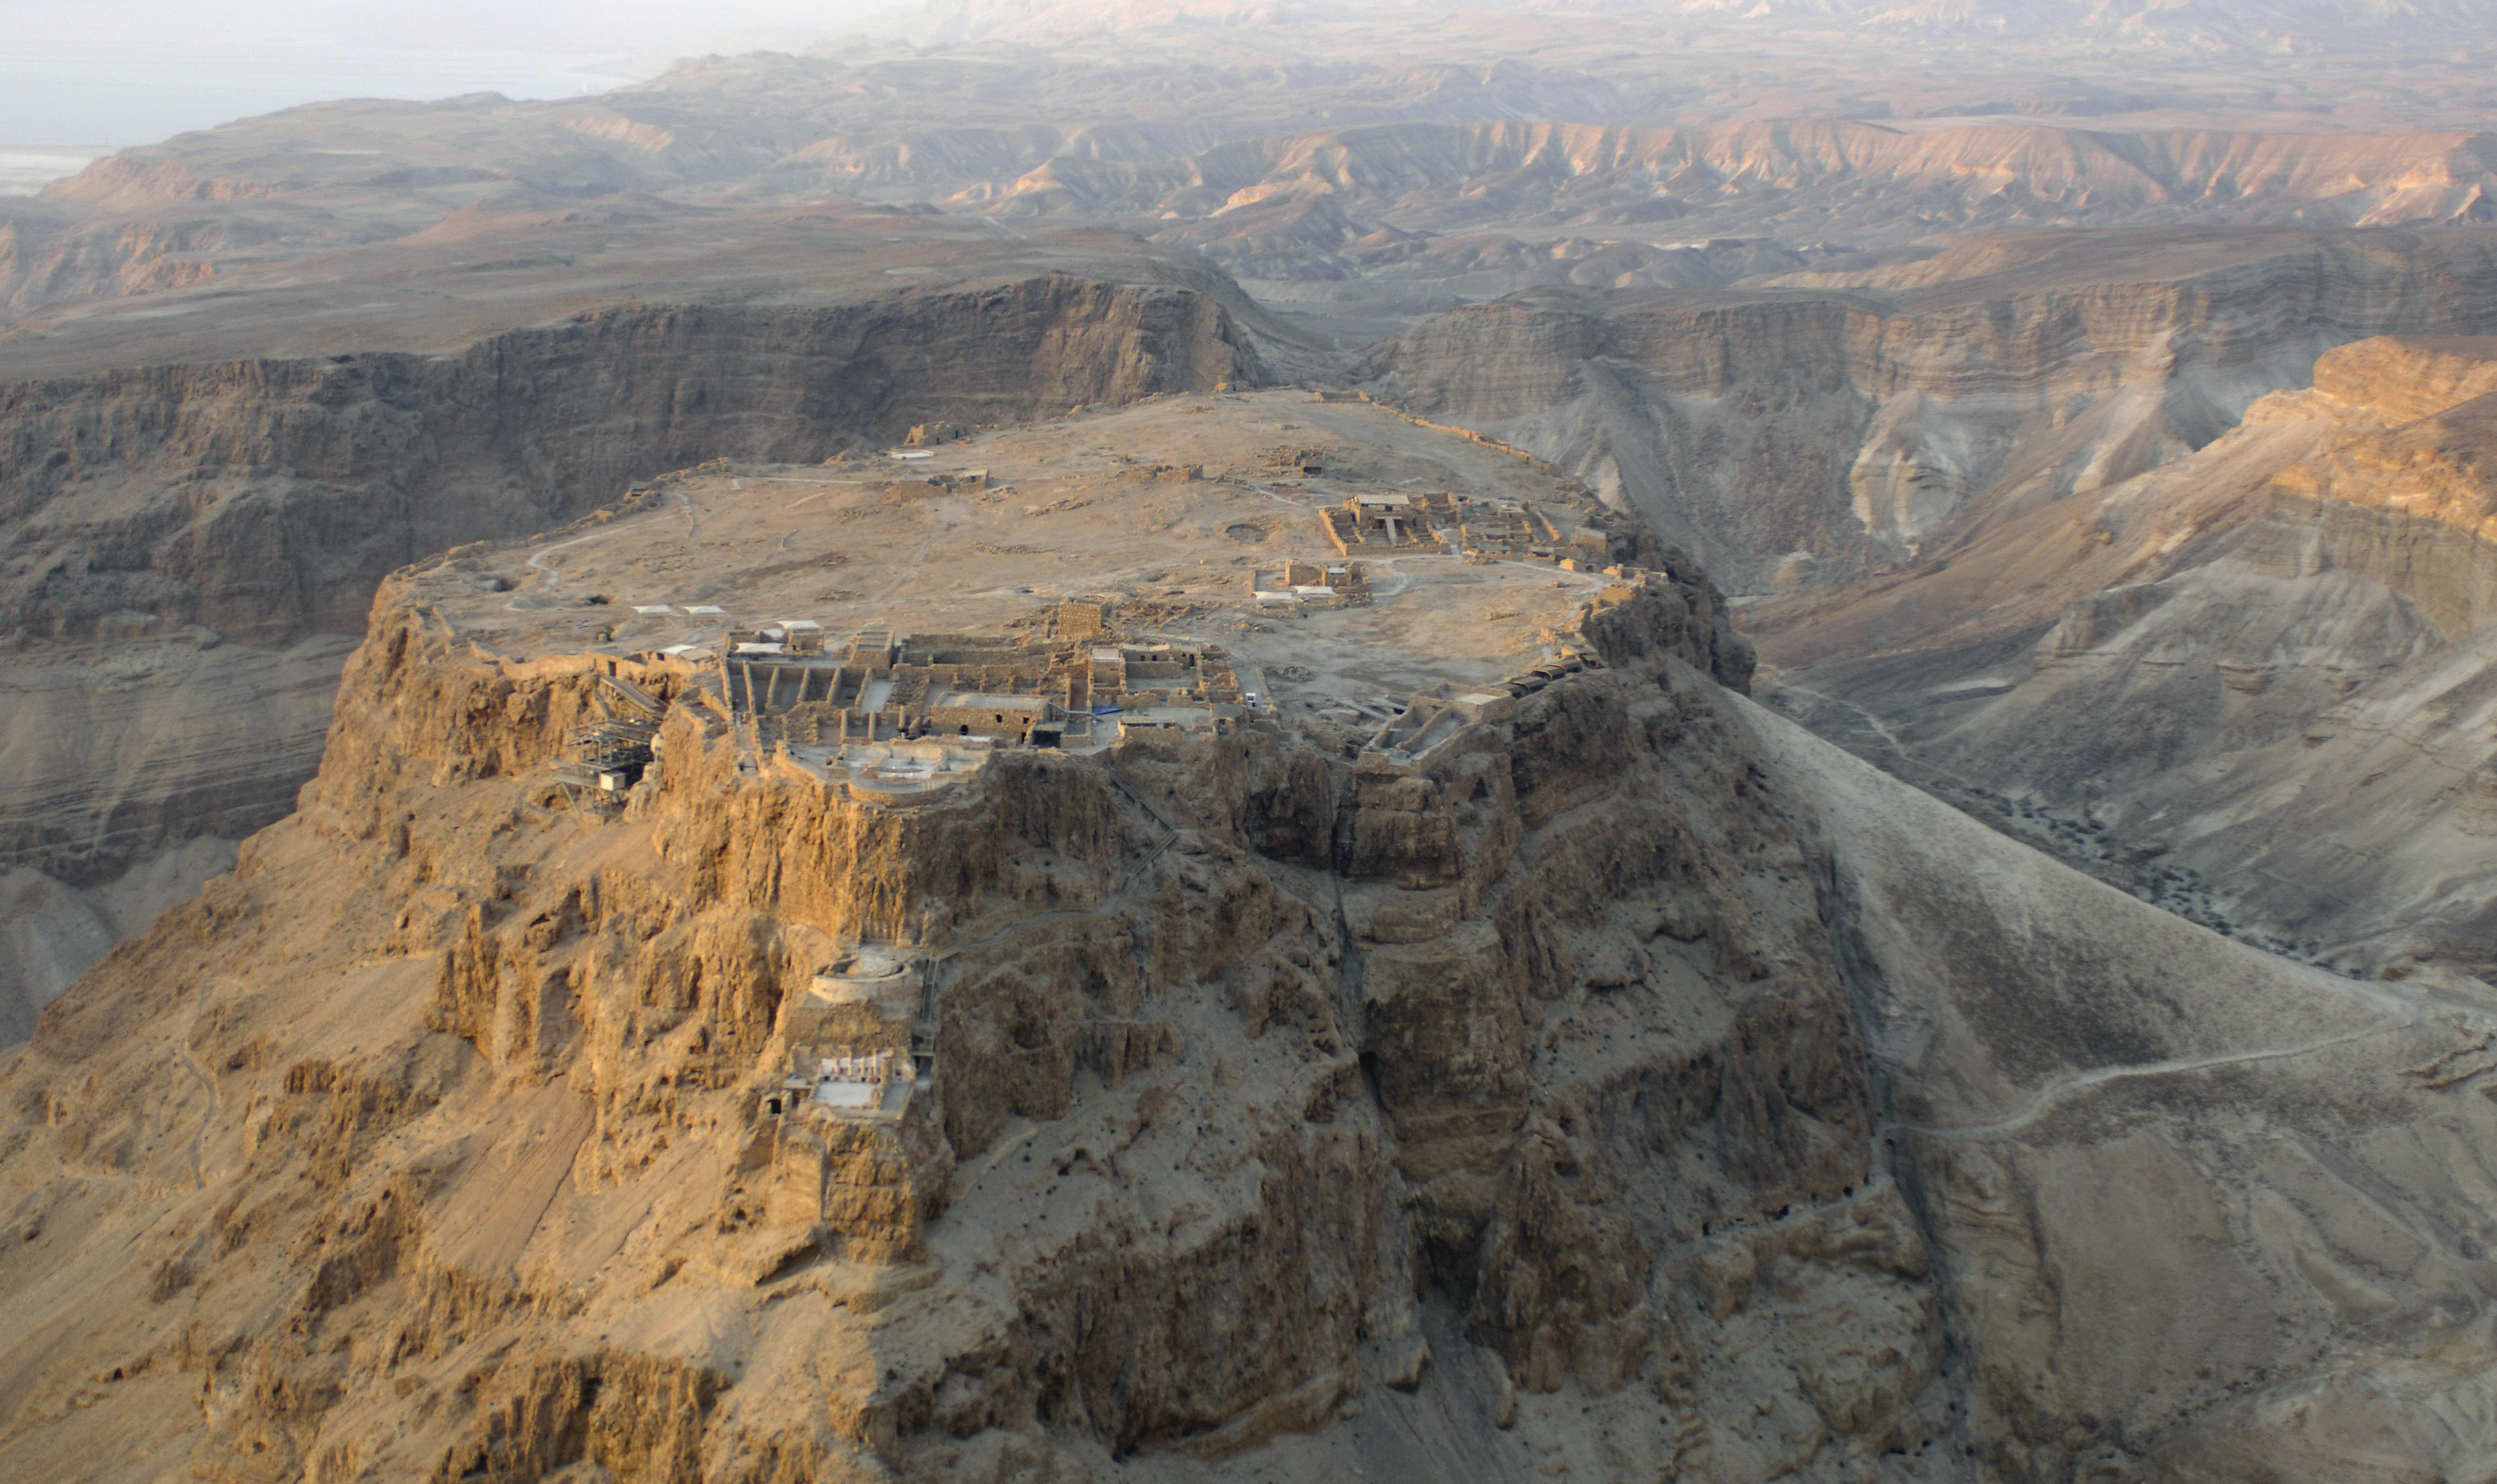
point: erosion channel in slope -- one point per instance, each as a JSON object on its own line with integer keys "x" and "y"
{"x": 1811, "y": 430}
{"x": 2252, "y": 683}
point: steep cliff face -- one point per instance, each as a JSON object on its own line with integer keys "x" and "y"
{"x": 186, "y": 537}
{"x": 2251, "y": 684}
{"x": 263, "y": 498}
{"x": 1264, "y": 1080}
{"x": 1632, "y": 1085}
{"x": 1803, "y": 437}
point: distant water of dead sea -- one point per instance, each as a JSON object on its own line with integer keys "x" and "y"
{"x": 69, "y": 87}
{"x": 24, "y": 171}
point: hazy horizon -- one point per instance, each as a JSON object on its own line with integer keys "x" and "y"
{"x": 122, "y": 72}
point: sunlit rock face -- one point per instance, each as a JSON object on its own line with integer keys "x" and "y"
{"x": 1837, "y": 425}
{"x": 202, "y": 540}
{"x": 1576, "y": 1058}
{"x": 1337, "y": 1064}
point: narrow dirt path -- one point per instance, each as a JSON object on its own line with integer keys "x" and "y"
{"x": 2047, "y": 1097}
{"x": 182, "y": 1051}
{"x": 1879, "y": 728}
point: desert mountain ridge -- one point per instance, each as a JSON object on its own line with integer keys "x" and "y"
{"x": 1460, "y": 208}
{"x": 2197, "y": 25}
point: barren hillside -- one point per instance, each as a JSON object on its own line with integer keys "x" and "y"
{"x": 1561, "y": 1066}
{"x": 2250, "y": 682}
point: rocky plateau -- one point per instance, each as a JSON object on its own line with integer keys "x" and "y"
{"x": 1629, "y": 1084}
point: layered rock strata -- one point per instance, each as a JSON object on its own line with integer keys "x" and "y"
{"x": 2248, "y": 685}
{"x": 1809, "y": 434}
{"x": 192, "y": 541}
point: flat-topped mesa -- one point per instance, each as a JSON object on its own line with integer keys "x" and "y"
{"x": 845, "y": 834}
{"x": 808, "y": 626}
{"x": 1270, "y": 924}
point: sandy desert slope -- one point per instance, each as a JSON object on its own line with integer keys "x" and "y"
{"x": 2248, "y": 683}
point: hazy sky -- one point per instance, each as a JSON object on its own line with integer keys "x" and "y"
{"x": 111, "y": 73}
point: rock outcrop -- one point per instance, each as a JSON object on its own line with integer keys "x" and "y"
{"x": 1629, "y": 1084}
{"x": 191, "y": 538}
{"x": 2247, "y": 684}
{"x": 1806, "y": 436}
{"x": 1264, "y": 1079}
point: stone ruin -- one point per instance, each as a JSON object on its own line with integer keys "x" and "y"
{"x": 1440, "y": 521}
{"x": 1298, "y": 584}
{"x": 895, "y": 719}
